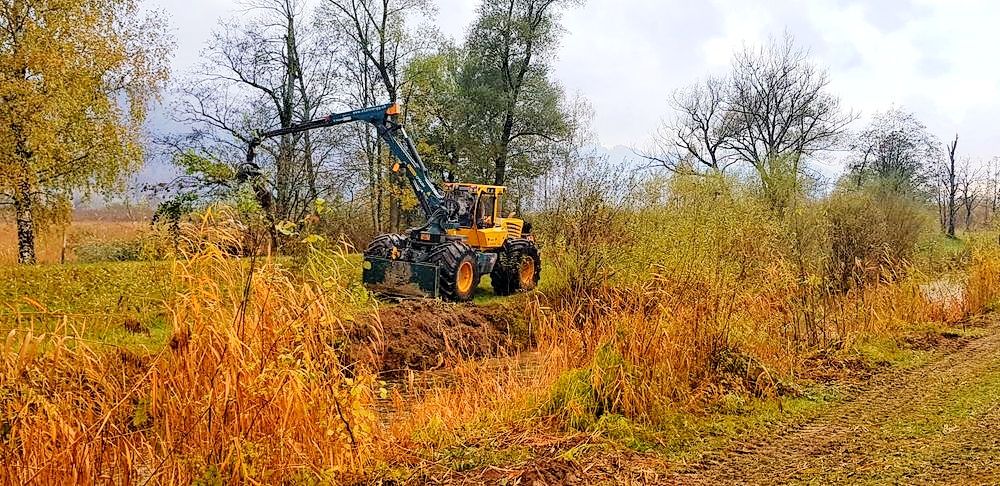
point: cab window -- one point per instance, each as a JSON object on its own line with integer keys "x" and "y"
{"x": 466, "y": 205}
{"x": 486, "y": 209}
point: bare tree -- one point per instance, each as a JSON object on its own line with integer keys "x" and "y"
{"x": 696, "y": 138}
{"x": 377, "y": 30}
{"x": 779, "y": 110}
{"x": 378, "y": 45}
{"x": 363, "y": 154}
{"x": 260, "y": 56}
{"x": 552, "y": 186}
{"x": 947, "y": 190}
{"x": 968, "y": 190}
{"x": 992, "y": 189}
{"x": 896, "y": 151}
{"x": 263, "y": 72}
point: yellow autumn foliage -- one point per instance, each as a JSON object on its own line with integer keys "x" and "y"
{"x": 76, "y": 79}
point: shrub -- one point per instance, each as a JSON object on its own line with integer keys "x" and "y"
{"x": 147, "y": 245}
{"x": 573, "y": 399}
{"x": 872, "y": 236}
{"x": 584, "y": 227}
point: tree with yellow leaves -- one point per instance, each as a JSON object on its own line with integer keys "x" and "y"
{"x": 76, "y": 80}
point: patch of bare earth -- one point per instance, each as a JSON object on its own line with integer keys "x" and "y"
{"x": 425, "y": 335}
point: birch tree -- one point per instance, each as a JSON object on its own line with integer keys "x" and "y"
{"x": 76, "y": 79}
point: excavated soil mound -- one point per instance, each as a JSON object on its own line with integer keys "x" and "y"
{"x": 424, "y": 335}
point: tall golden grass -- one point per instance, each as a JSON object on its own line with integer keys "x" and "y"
{"x": 981, "y": 291}
{"x": 250, "y": 387}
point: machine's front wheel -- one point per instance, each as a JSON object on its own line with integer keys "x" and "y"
{"x": 518, "y": 267}
{"x": 458, "y": 275}
{"x": 386, "y": 246}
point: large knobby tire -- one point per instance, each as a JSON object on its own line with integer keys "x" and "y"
{"x": 386, "y": 246}
{"x": 458, "y": 274}
{"x": 518, "y": 267}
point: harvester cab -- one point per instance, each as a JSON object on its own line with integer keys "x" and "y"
{"x": 480, "y": 216}
{"x": 465, "y": 235}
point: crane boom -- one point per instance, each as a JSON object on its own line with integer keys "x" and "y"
{"x": 383, "y": 118}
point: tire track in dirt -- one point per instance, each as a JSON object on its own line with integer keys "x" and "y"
{"x": 856, "y": 440}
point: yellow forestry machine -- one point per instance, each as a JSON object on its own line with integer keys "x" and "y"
{"x": 465, "y": 237}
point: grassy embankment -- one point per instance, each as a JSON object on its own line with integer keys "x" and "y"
{"x": 96, "y": 302}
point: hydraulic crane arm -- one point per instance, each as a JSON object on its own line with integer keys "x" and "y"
{"x": 383, "y": 118}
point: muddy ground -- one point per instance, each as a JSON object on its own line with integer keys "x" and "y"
{"x": 429, "y": 334}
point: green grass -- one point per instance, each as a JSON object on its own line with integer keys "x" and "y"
{"x": 89, "y": 301}
{"x": 937, "y": 253}
{"x": 681, "y": 435}
{"x": 81, "y": 288}
{"x": 888, "y": 352}
{"x": 938, "y": 433}
{"x": 969, "y": 399}
{"x": 484, "y": 294}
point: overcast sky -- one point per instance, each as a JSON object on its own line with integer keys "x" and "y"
{"x": 938, "y": 58}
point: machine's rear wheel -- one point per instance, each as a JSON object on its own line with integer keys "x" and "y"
{"x": 386, "y": 246}
{"x": 518, "y": 267}
{"x": 458, "y": 276}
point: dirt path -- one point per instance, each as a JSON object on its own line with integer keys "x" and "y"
{"x": 937, "y": 423}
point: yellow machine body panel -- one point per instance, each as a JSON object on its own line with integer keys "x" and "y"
{"x": 481, "y": 216}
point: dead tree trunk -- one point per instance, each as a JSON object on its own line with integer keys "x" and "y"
{"x": 952, "y": 187}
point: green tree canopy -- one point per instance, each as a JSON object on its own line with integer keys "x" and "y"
{"x": 519, "y": 117}
{"x": 489, "y": 111}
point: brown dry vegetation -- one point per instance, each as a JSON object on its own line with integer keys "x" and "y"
{"x": 700, "y": 297}
{"x": 249, "y": 386}
{"x": 89, "y": 235}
